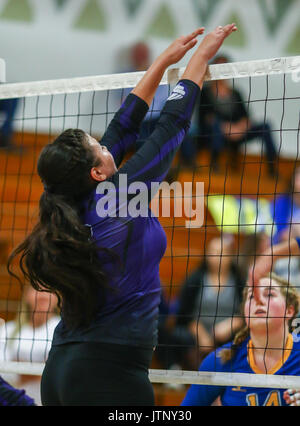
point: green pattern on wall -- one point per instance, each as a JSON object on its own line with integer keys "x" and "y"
{"x": 293, "y": 47}
{"x": 91, "y": 17}
{"x": 163, "y": 24}
{"x": 132, "y": 6}
{"x": 204, "y": 9}
{"x": 60, "y": 3}
{"x": 17, "y": 10}
{"x": 238, "y": 38}
{"x": 274, "y": 15}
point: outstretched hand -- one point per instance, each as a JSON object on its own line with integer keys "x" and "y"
{"x": 208, "y": 47}
{"x": 214, "y": 40}
{"x": 176, "y": 51}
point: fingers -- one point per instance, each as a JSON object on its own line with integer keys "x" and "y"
{"x": 229, "y": 28}
{"x": 193, "y": 35}
{"x": 226, "y": 30}
{"x": 190, "y": 44}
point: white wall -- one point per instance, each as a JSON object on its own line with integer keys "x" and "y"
{"x": 48, "y": 46}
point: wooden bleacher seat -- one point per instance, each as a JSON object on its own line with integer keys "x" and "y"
{"x": 20, "y": 190}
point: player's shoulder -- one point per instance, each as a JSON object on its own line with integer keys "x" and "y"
{"x": 296, "y": 341}
{"x": 216, "y": 360}
{"x": 231, "y": 346}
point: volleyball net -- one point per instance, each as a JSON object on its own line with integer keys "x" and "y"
{"x": 237, "y": 168}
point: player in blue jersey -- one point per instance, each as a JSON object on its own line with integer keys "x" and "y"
{"x": 100, "y": 260}
{"x": 263, "y": 264}
{"x": 264, "y": 346}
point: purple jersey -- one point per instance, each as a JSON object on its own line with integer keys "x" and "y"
{"x": 130, "y": 312}
{"x": 11, "y": 397}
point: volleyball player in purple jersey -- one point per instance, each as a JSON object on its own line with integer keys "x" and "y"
{"x": 103, "y": 264}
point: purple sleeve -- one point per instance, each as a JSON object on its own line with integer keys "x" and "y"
{"x": 12, "y": 397}
{"x": 123, "y": 130}
{"x": 153, "y": 160}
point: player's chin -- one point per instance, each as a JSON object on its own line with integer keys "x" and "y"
{"x": 110, "y": 166}
{"x": 114, "y": 168}
{"x": 260, "y": 322}
{"x": 266, "y": 324}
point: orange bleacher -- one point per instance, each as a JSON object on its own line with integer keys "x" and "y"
{"x": 20, "y": 190}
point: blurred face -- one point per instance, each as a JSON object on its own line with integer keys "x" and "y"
{"x": 218, "y": 254}
{"x": 140, "y": 56}
{"x": 107, "y": 166}
{"x": 40, "y": 302}
{"x": 267, "y": 313}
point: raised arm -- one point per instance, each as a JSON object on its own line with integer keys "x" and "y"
{"x": 152, "y": 161}
{"x": 147, "y": 87}
{"x": 263, "y": 264}
{"x": 207, "y": 49}
{"x": 123, "y": 130}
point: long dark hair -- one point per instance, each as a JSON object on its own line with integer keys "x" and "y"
{"x": 59, "y": 256}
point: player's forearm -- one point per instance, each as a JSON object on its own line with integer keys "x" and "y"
{"x": 196, "y": 69}
{"x": 148, "y": 85}
{"x": 284, "y": 249}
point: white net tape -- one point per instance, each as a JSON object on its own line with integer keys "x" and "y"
{"x": 183, "y": 377}
{"x": 126, "y": 80}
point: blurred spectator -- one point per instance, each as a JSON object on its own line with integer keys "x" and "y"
{"x": 210, "y": 298}
{"x": 224, "y": 118}
{"x": 286, "y": 215}
{"x": 140, "y": 59}
{"x": 7, "y": 113}
{"x": 140, "y": 56}
{"x": 28, "y": 337}
{"x": 287, "y": 210}
{"x": 176, "y": 344}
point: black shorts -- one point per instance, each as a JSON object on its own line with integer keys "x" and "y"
{"x": 82, "y": 374}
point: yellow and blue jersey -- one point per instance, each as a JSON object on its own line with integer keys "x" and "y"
{"x": 243, "y": 362}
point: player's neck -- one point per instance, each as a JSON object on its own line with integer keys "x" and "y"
{"x": 268, "y": 356}
{"x": 219, "y": 276}
{"x": 270, "y": 344}
{"x": 40, "y": 318}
